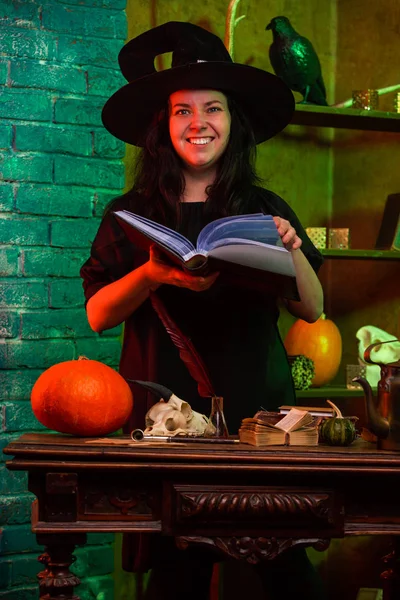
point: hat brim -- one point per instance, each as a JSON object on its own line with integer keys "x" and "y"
{"x": 266, "y": 100}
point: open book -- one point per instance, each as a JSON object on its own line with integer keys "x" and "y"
{"x": 296, "y": 428}
{"x": 246, "y": 246}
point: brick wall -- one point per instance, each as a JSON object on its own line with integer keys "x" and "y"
{"x": 58, "y": 168}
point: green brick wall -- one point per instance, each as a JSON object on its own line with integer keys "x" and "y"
{"x": 58, "y": 169}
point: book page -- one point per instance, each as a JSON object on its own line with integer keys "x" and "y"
{"x": 307, "y": 436}
{"x": 157, "y": 232}
{"x": 257, "y": 227}
{"x": 252, "y": 432}
{"x": 272, "y": 259}
{"x": 294, "y": 420}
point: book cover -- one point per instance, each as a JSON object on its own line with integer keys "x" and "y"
{"x": 389, "y": 231}
{"x": 246, "y": 248}
{"x": 315, "y": 411}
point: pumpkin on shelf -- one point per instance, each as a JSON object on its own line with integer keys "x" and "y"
{"x": 321, "y": 342}
{"x": 338, "y": 430}
{"x": 81, "y": 397}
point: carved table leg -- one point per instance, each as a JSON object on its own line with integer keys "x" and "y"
{"x": 56, "y": 582}
{"x": 391, "y": 575}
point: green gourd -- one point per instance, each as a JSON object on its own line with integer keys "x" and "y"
{"x": 303, "y": 371}
{"x": 337, "y": 430}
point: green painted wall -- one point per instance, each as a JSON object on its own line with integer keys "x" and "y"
{"x": 58, "y": 168}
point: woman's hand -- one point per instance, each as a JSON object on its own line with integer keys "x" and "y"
{"x": 288, "y": 234}
{"x": 115, "y": 302}
{"x": 159, "y": 272}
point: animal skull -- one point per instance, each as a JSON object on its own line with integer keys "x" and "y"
{"x": 380, "y": 354}
{"x": 387, "y": 353}
{"x": 176, "y": 417}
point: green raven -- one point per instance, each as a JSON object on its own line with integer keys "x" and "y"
{"x": 295, "y": 61}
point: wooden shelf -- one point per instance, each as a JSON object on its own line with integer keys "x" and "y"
{"x": 329, "y": 392}
{"x": 361, "y": 254}
{"x": 346, "y": 118}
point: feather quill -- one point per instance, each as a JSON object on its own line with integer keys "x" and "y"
{"x": 187, "y": 351}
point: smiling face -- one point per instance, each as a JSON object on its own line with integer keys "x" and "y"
{"x": 199, "y": 126}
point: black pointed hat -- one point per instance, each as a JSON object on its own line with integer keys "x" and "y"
{"x": 199, "y": 61}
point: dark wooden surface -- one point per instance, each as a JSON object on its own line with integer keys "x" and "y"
{"x": 348, "y": 118}
{"x": 240, "y": 501}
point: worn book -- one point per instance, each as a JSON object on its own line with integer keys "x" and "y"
{"x": 315, "y": 411}
{"x": 247, "y": 247}
{"x": 296, "y": 428}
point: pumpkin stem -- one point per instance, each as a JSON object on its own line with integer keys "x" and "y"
{"x": 83, "y": 358}
{"x": 336, "y": 409}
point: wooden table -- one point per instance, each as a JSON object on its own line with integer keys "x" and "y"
{"x": 247, "y": 503}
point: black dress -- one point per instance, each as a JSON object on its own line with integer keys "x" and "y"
{"x": 233, "y": 329}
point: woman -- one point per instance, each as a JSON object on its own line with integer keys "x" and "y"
{"x": 198, "y": 123}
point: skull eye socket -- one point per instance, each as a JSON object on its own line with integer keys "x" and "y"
{"x": 176, "y": 421}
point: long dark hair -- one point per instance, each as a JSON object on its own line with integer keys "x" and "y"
{"x": 159, "y": 180}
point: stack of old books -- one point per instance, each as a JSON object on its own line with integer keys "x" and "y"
{"x": 296, "y": 428}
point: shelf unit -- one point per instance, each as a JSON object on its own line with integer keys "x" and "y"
{"x": 350, "y": 118}
{"x": 329, "y": 392}
{"x": 361, "y": 254}
{"x": 354, "y": 119}
{"x": 346, "y": 118}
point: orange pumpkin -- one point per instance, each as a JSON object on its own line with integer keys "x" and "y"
{"x": 321, "y": 341}
{"x": 81, "y": 397}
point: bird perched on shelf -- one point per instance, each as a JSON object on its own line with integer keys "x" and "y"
{"x": 295, "y": 61}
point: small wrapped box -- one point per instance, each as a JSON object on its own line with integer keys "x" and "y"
{"x": 396, "y": 104}
{"x": 339, "y": 238}
{"x": 365, "y": 99}
{"x": 317, "y": 235}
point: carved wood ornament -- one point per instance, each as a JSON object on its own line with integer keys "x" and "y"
{"x": 117, "y": 501}
{"x": 237, "y": 504}
{"x": 250, "y": 549}
{"x": 56, "y": 581}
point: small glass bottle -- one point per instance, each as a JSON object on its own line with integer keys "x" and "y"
{"x": 217, "y": 417}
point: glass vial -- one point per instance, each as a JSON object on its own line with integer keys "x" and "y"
{"x": 217, "y": 417}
